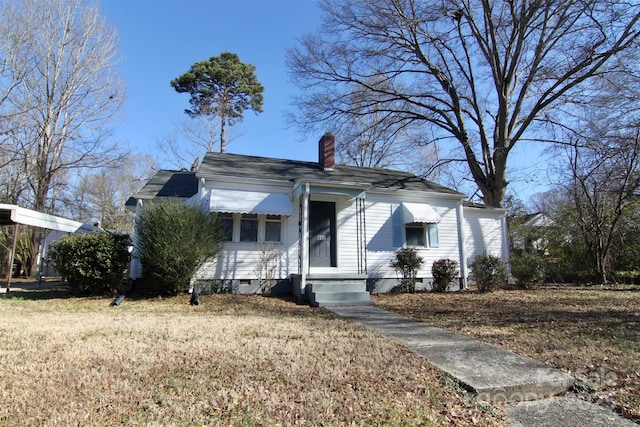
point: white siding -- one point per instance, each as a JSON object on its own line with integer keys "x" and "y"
{"x": 381, "y": 226}
{"x": 484, "y": 233}
{"x": 236, "y": 261}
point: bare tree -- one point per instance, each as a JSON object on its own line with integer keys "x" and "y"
{"x": 100, "y": 195}
{"x": 189, "y": 139}
{"x": 66, "y": 93}
{"x": 605, "y": 178}
{"x": 478, "y": 72}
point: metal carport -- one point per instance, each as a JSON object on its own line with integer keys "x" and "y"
{"x": 15, "y": 215}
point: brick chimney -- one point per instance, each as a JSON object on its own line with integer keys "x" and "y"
{"x": 326, "y": 147}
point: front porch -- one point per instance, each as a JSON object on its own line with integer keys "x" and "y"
{"x": 323, "y": 290}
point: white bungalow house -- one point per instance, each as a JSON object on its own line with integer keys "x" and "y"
{"x": 333, "y": 228}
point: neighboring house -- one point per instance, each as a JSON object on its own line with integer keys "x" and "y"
{"x": 333, "y": 229}
{"x": 527, "y": 232}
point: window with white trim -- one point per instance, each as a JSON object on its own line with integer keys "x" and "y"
{"x": 273, "y": 229}
{"x": 226, "y": 223}
{"x": 251, "y": 228}
{"x": 422, "y": 234}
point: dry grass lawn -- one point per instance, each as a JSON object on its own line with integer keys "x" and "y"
{"x": 591, "y": 332}
{"x": 232, "y": 361}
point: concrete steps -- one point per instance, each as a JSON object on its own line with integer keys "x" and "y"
{"x": 336, "y": 290}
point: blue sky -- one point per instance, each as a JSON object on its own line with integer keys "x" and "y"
{"x": 160, "y": 39}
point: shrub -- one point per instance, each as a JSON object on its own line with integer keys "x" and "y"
{"x": 407, "y": 262}
{"x": 528, "y": 270}
{"x": 444, "y": 271}
{"x": 174, "y": 241}
{"x": 93, "y": 263}
{"x": 489, "y": 272}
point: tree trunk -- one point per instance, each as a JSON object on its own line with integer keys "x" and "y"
{"x": 223, "y": 135}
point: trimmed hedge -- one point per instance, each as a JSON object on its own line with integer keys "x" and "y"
{"x": 489, "y": 272}
{"x": 444, "y": 271}
{"x": 93, "y": 263}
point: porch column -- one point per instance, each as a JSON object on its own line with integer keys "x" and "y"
{"x": 461, "y": 248}
{"x": 12, "y": 255}
{"x": 304, "y": 256}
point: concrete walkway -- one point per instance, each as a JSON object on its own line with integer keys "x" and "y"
{"x": 492, "y": 374}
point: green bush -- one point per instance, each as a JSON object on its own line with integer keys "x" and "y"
{"x": 94, "y": 263}
{"x": 407, "y": 262}
{"x": 173, "y": 241}
{"x": 444, "y": 271}
{"x": 528, "y": 270}
{"x": 489, "y": 272}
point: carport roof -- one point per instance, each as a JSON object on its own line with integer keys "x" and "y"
{"x": 14, "y": 214}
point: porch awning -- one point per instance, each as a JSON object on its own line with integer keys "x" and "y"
{"x": 419, "y": 212}
{"x": 250, "y": 202}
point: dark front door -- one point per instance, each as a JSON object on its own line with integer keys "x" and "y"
{"x": 322, "y": 234}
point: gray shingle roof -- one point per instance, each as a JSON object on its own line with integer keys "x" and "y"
{"x": 167, "y": 183}
{"x": 242, "y": 166}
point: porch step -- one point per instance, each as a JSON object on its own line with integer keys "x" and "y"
{"x": 324, "y": 291}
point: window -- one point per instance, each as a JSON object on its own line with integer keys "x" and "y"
{"x": 249, "y": 228}
{"x": 226, "y": 223}
{"x": 417, "y": 233}
{"x": 273, "y": 228}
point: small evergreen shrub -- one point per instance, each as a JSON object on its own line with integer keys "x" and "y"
{"x": 528, "y": 270}
{"x": 489, "y": 272}
{"x": 92, "y": 263}
{"x": 407, "y": 262}
{"x": 174, "y": 241}
{"x": 444, "y": 271}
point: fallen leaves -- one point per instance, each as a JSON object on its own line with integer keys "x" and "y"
{"x": 592, "y": 333}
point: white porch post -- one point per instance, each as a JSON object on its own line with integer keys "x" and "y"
{"x": 461, "y": 248}
{"x": 305, "y": 239}
{"x": 505, "y": 242}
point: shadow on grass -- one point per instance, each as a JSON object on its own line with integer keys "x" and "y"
{"x": 32, "y": 290}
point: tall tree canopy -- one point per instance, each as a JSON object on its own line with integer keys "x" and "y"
{"x": 223, "y": 87}
{"x": 60, "y": 93}
{"x": 482, "y": 73}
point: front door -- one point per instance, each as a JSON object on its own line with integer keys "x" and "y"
{"x": 322, "y": 234}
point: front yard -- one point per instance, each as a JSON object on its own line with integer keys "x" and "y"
{"x": 591, "y": 332}
{"x": 257, "y": 361}
{"x": 231, "y": 361}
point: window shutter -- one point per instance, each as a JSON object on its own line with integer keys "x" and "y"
{"x": 398, "y": 227}
{"x": 434, "y": 241}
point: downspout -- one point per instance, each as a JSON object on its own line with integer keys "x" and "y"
{"x": 305, "y": 239}
{"x": 505, "y": 244}
{"x": 461, "y": 248}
